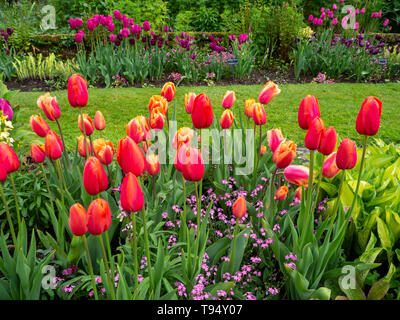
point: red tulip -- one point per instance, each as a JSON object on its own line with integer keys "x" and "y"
{"x": 39, "y": 125}
{"x": 267, "y": 93}
{"x": 227, "y": 119}
{"x": 99, "y": 217}
{"x": 78, "y": 220}
{"x": 308, "y": 111}
{"x": 346, "y": 157}
{"x": 99, "y": 121}
{"x": 82, "y": 146}
{"x": 158, "y": 101}
{"x": 281, "y": 193}
{"x": 49, "y": 106}
{"x": 153, "y": 164}
{"x": 77, "y": 91}
{"x": 168, "y": 91}
{"x": 138, "y": 129}
{"x": 53, "y": 145}
{"x": 330, "y": 169}
{"x": 239, "y": 208}
{"x": 3, "y": 173}
{"x": 202, "y": 112}
{"x": 94, "y": 177}
{"x": 263, "y": 150}
{"x": 284, "y": 154}
{"x": 328, "y": 141}
{"x": 297, "y": 175}
{"x": 314, "y": 134}
{"x": 183, "y": 136}
{"x": 298, "y": 194}
{"x": 88, "y": 124}
{"x": 274, "y": 137}
{"x": 259, "y": 115}
{"x": 369, "y": 117}
{"x": 130, "y": 157}
{"x": 8, "y": 158}
{"x": 248, "y": 107}
{"x": 192, "y": 164}
{"x": 132, "y": 199}
{"x": 104, "y": 151}
{"x": 229, "y": 99}
{"x": 37, "y": 153}
{"x": 180, "y": 155}
{"x": 189, "y": 100}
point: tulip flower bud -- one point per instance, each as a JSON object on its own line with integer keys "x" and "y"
{"x": 138, "y": 129}
{"x": 284, "y": 154}
{"x": 227, "y": 119}
{"x": 314, "y": 134}
{"x": 132, "y": 199}
{"x": 298, "y": 194}
{"x": 297, "y": 175}
{"x": 168, "y": 91}
{"x": 8, "y": 158}
{"x": 263, "y": 150}
{"x": 77, "y": 91}
{"x": 153, "y": 164}
{"x": 3, "y": 173}
{"x": 39, "y": 125}
{"x": 130, "y": 157}
{"x": 157, "y": 119}
{"x": 328, "y": 141}
{"x": 308, "y": 111}
{"x": 37, "y": 153}
{"x": 189, "y": 100}
{"x": 49, "y": 106}
{"x": 53, "y": 145}
{"x": 99, "y": 217}
{"x": 192, "y": 164}
{"x": 259, "y": 115}
{"x": 346, "y": 157}
{"x": 202, "y": 112}
{"x": 78, "y": 220}
{"x": 158, "y": 101}
{"x": 183, "y": 136}
{"x": 248, "y": 107}
{"x": 369, "y": 117}
{"x": 104, "y": 151}
{"x": 82, "y": 146}
{"x": 88, "y": 124}
{"x": 94, "y": 177}
{"x": 281, "y": 193}
{"x": 228, "y": 99}
{"x": 274, "y": 137}
{"x": 99, "y": 121}
{"x": 330, "y": 169}
{"x": 6, "y": 108}
{"x": 239, "y": 208}
{"x": 267, "y": 93}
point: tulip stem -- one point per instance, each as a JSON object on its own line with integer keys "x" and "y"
{"x": 96, "y": 296}
{"x": 91, "y": 143}
{"x": 310, "y": 182}
{"x": 16, "y": 201}
{"x": 109, "y": 254}
{"x": 134, "y": 250}
{"x": 233, "y": 253}
{"x": 154, "y": 191}
{"x": 339, "y": 194}
{"x": 359, "y": 176}
{"x": 318, "y": 186}
{"x": 84, "y": 134}
{"x": 47, "y": 183}
{"x": 271, "y": 197}
{"x": 100, "y": 237}
{"x": 14, "y": 238}
{"x": 198, "y": 216}
{"x": 258, "y": 156}
{"x": 61, "y": 134}
{"x": 109, "y": 176}
{"x": 183, "y": 217}
{"x": 146, "y": 241}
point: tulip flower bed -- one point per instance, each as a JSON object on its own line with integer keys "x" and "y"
{"x": 219, "y": 209}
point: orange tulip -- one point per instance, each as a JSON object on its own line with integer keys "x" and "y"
{"x": 274, "y": 137}
{"x": 104, "y": 151}
{"x": 314, "y": 134}
{"x": 77, "y": 91}
{"x": 284, "y": 154}
{"x": 229, "y": 99}
{"x": 157, "y": 119}
{"x": 88, "y": 124}
{"x": 308, "y": 111}
{"x": 239, "y": 208}
{"x": 8, "y": 158}
{"x": 263, "y": 150}
{"x": 153, "y": 164}
{"x": 168, "y": 91}
{"x": 281, "y": 193}
{"x": 160, "y": 102}
{"x": 328, "y": 141}
{"x": 330, "y": 169}
{"x": 130, "y": 157}
{"x": 248, "y": 107}
{"x": 183, "y": 136}
{"x": 82, "y": 146}
{"x": 78, "y": 220}
{"x": 346, "y": 157}
{"x": 94, "y": 177}
{"x": 49, "y": 106}
{"x": 53, "y": 145}
{"x": 202, "y": 112}
{"x": 99, "y": 121}
{"x": 192, "y": 164}
{"x": 99, "y": 217}
{"x": 39, "y": 125}
{"x": 297, "y": 175}
{"x": 138, "y": 129}
{"x": 227, "y": 119}
{"x": 369, "y": 117}
{"x": 189, "y": 100}
{"x": 268, "y": 92}
{"x": 132, "y": 199}
{"x": 37, "y": 153}
{"x": 259, "y": 115}
{"x": 298, "y": 194}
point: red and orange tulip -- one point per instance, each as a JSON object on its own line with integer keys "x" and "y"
{"x": 248, "y": 107}
{"x": 157, "y": 118}
{"x": 82, "y": 146}
{"x": 328, "y": 141}
{"x": 78, "y": 220}
{"x": 99, "y": 121}
{"x": 130, "y": 157}
{"x": 346, "y": 157}
{"x": 158, "y": 101}
{"x": 227, "y": 119}
{"x": 99, "y": 217}
{"x": 239, "y": 208}
{"x": 49, "y": 106}
{"x": 138, "y": 129}
{"x": 284, "y": 154}
{"x": 132, "y": 199}
{"x": 330, "y": 169}
{"x": 104, "y": 151}
{"x": 77, "y": 91}
{"x": 263, "y": 150}
{"x": 202, "y": 112}
{"x": 229, "y": 99}
{"x": 189, "y": 100}
{"x": 168, "y": 91}
{"x": 314, "y": 134}
{"x": 37, "y": 153}
{"x": 268, "y": 92}
{"x": 183, "y": 136}
{"x": 53, "y": 145}
{"x": 39, "y": 125}
{"x": 274, "y": 137}
{"x": 8, "y": 158}
{"x": 153, "y": 164}
{"x": 369, "y": 117}
{"x": 281, "y": 193}
{"x": 297, "y": 175}
{"x": 259, "y": 115}
{"x": 192, "y": 164}
{"x": 94, "y": 177}
{"x": 87, "y": 123}
{"x": 308, "y": 111}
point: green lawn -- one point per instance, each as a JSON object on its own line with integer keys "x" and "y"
{"x": 339, "y": 105}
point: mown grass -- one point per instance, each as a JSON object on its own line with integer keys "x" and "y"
{"x": 339, "y": 104}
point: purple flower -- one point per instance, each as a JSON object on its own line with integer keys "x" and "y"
{"x": 91, "y": 25}
{"x": 113, "y": 37}
{"x": 124, "y": 32}
{"x": 5, "y": 106}
{"x": 111, "y": 27}
{"x": 117, "y": 15}
{"x": 243, "y": 38}
{"x": 79, "y": 36}
{"x": 146, "y": 26}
